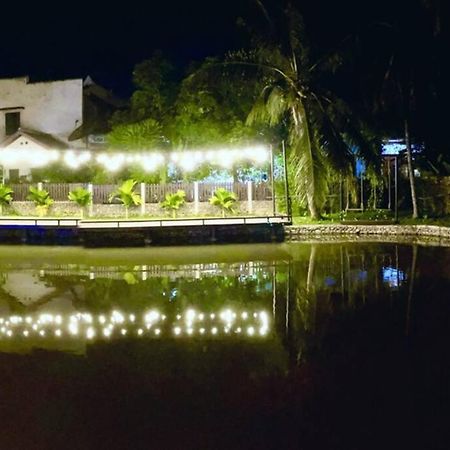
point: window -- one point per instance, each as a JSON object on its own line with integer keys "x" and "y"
{"x": 12, "y": 122}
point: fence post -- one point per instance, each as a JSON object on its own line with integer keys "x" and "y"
{"x": 249, "y": 196}
{"x": 196, "y": 197}
{"x": 143, "y": 199}
{"x": 90, "y": 188}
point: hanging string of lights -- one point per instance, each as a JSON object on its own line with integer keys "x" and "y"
{"x": 187, "y": 160}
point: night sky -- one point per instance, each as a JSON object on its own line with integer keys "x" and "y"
{"x": 106, "y": 41}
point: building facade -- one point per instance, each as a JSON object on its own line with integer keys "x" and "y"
{"x": 51, "y": 115}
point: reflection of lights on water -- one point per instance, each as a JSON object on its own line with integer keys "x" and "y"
{"x": 87, "y": 326}
{"x": 393, "y": 276}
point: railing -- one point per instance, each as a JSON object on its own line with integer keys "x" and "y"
{"x": 154, "y": 193}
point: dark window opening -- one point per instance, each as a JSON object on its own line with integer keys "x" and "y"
{"x": 12, "y": 122}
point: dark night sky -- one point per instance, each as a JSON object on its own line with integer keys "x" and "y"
{"x": 105, "y": 41}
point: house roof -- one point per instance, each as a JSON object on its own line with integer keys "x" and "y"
{"x": 42, "y": 139}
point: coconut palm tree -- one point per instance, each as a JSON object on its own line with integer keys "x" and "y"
{"x": 173, "y": 202}
{"x": 321, "y": 128}
{"x": 224, "y": 200}
{"x": 125, "y": 193}
{"x": 82, "y": 197}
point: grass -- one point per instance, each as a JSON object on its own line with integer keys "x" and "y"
{"x": 372, "y": 217}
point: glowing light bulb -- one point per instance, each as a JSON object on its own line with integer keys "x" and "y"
{"x": 58, "y": 333}
{"x": 140, "y": 331}
{"x": 190, "y": 315}
{"x": 90, "y": 333}
{"x": 157, "y": 331}
{"x": 214, "y": 330}
{"x": 250, "y": 331}
{"x": 177, "y": 330}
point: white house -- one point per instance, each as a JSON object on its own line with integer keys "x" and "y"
{"x": 51, "y": 115}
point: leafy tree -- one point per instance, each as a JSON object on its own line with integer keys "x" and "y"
{"x": 82, "y": 197}
{"x": 125, "y": 193}
{"x": 224, "y": 200}
{"x": 143, "y": 135}
{"x": 41, "y": 199}
{"x": 6, "y": 196}
{"x": 156, "y": 89}
{"x": 173, "y": 202}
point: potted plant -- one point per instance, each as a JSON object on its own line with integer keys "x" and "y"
{"x": 174, "y": 202}
{"x": 224, "y": 200}
{"x": 41, "y": 199}
{"x": 5, "y": 197}
{"x": 82, "y": 197}
{"x": 125, "y": 193}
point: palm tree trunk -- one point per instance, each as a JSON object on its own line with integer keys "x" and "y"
{"x": 312, "y": 206}
{"x": 411, "y": 170}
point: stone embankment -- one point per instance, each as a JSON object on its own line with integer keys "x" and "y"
{"x": 304, "y": 232}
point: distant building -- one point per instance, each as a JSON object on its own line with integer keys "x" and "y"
{"x": 66, "y": 114}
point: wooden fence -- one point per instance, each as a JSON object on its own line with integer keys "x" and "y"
{"x": 154, "y": 193}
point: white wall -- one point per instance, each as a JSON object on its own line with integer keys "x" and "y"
{"x": 53, "y": 107}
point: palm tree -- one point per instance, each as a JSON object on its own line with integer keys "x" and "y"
{"x": 5, "y": 196}
{"x": 81, "y": 197}
{"x": 321, "y": 128}
{"x": 224, "y": 200}
{"x": 174, "y": 201}
{"x": 125, "y": 193}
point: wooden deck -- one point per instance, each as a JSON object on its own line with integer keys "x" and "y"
{"x": 139, "y": 223}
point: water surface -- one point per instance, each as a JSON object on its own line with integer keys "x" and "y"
{"x": 301, "y": 345}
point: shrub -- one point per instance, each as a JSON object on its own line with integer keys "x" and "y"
{"x": 224, "y": 200}
{"x": 41, "y": 199}
{"x": 125, "y": 193}
{"x": 174, "y": 202}
{"x": 82, "y": 197}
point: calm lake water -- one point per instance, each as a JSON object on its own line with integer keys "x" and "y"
{"x": 300, "y": 345}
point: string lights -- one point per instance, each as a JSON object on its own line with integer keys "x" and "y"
{"x": 187, "y": 160}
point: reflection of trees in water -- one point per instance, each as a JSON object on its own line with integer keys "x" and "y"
{"x": 130, "y": 292}
{"x": 331, "y": 284}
